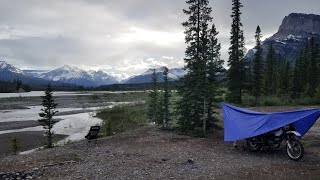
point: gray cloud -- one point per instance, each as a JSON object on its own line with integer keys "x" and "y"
{"x": 123, "y": 37}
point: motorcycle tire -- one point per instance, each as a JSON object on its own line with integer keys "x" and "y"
{"x": 253, "y": 147}
{"x": 296, "y": 152}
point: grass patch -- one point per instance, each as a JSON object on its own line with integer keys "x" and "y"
{"x": 126, "y": 96}
{"x": 278, "y": 101}
{"x": 94, "y": 97}
{"x": 122, "y": 118}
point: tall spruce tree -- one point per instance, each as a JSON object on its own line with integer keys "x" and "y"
{"x": 166, "y": 95}
{"x": 213, "y": 68}
{"x": 269, "y": 78}
{"x": 153, "y": 101}
{"x": 283, "y": 77}
{"x": 193, "y": 92}
{"x": 297, "y": 82}
{"x": 258, "y": 66}
{"x": 236, "y": 55}
{"x": 312, "y": 68}
{"x": 48, "y": 111}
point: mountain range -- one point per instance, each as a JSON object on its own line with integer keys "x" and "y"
{"x": 75, "y": 76}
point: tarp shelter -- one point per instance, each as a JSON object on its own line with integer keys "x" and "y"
{"x": 242, "y": 123}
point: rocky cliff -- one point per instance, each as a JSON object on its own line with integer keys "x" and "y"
{"x": 292, "y": 35}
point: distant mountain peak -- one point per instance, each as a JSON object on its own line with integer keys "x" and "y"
{"x": 293, "y": 34}
{"x": 8, "y": 67}
{"x": 69, "y": 68}
{"x": 300, "y": 23}
{"x": 3, "y": 64}
{"x": 158, "y": 69}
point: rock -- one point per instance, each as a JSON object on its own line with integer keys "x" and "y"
{"x": 292, "y": 36}
{"x": 164, "y": 159}
{"x": 190, "y": 161}
{"x": 300, "y": 23}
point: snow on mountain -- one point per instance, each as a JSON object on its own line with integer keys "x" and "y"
{"x": 34, "y": 73}
{"x": 173, "y": 74}
{"x": 158, "y": 70}
{"x": 3, "y": 64}
{"x": 65, "y": 73}
{"x": 9, "y": 72}
{"x": 8, "y": 67}
{"x": 78, "y": 76}
{"x": 178, "y": 72}
{"x": 291, "y": 37}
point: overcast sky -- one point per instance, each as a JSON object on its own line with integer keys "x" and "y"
{"x": 122, "y": 37}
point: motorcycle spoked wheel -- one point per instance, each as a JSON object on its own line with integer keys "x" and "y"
{"x": 296, "y": 151}
{"x": 252, "y": 146}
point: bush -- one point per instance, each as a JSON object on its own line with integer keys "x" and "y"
{"x": 15, "y": 145}
{"x": 271, "y": 101}
{"x": 306, "y": 101}
{"x": 95, "y": 97}
{"x": 122, "y": 118}
{"x": 279, "y": 101}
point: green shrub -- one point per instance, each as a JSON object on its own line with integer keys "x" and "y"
{"x": 122, "y": 118}
{"x": 15, "y": 145}
{"x": 271, "y": 101}
{"x": 95, "y": 97}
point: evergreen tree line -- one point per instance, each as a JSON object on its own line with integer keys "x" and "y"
{"x": 11, "y": 86}
{"x": 200, "y": 87}
{"x": 158, "y": 109}
{"x": 274, "y": 76}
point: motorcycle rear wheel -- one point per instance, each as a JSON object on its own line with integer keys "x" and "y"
{"x": 252, "y": 146}
{"x": 296, "y": 151}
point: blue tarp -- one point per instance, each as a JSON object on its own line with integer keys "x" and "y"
{"x": 241, "y": 123}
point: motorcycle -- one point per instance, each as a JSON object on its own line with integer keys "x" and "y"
{"x": 273, "y": 140}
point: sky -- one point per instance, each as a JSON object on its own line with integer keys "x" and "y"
{"x": 121, "y": 37}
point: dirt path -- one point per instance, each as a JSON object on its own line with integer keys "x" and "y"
{"x": 148, "y": 153}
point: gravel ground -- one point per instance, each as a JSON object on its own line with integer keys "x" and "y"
{"x": 150, "y": 153}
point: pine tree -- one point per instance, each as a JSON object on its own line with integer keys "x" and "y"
{"x": 159, "y": 117}
{"x": 193, "y": 91}
{"x": 166, "y": 96}
{"x": 297, "y": 84}
{"x": 15, "y": 145}
{"x": 213, "y": 68}
{"x": 283, "y": 77}
{"x": 270, "y": 72}
{"x": 48, "y": 111}
{"x": 312, "y": 68}
{"x": 258, "y": 66}
{"x": 236, "y": 55}
{"x": 153, "y": 101}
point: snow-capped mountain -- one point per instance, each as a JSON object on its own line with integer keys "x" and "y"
{"x": 146, "y": 77}
{"x": 77, "y": 76}
{"x": 9, "y": 72}
{"x": 5, "y": 67}
{"x": 293, "y": 34}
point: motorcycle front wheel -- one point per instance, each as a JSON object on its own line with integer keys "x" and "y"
{"x": 295, "y": 150}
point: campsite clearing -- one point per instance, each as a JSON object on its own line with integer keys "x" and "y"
{"x": 150, "y": 153}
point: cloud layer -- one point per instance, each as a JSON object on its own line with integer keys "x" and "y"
{"x": 122, "y": 37}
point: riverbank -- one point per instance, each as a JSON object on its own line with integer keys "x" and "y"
{"x": 18, "y": 116}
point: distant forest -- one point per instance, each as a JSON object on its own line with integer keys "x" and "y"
{"x": 274, "y": 76}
